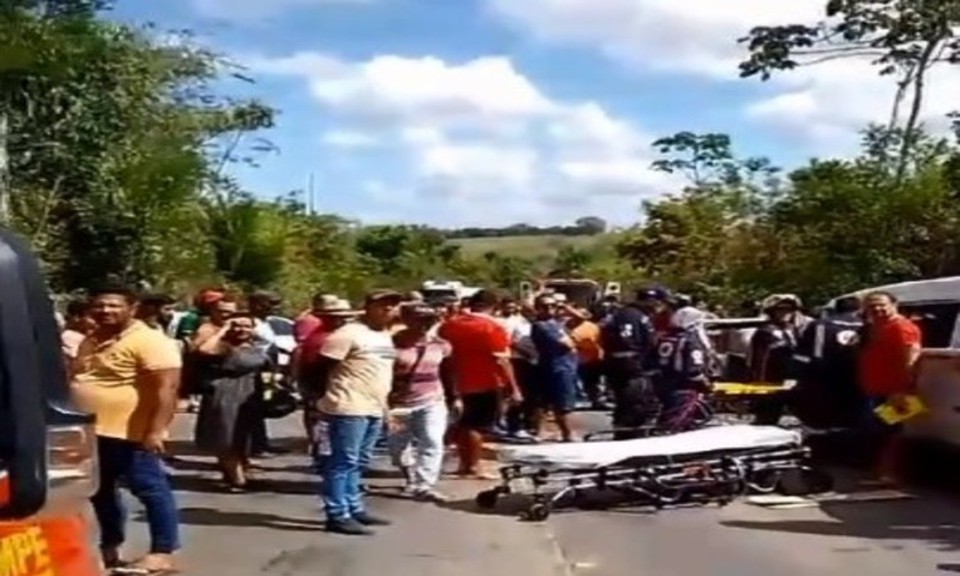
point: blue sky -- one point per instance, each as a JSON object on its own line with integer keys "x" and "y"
{"x": 492, "y": 112}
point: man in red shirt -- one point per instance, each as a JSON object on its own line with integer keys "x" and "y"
{"x": 480, "y": 362}
{"x": 311, "y": 330}
{"x": 886, "y": 363}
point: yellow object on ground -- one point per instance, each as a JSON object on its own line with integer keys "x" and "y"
{"x": 746, "y": 389}
{"x": 913, "y": 407}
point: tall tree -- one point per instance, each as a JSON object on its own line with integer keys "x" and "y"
{"x": 904, "y": 38}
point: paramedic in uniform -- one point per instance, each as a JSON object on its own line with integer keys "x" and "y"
{"x": 628, "y": 336}
{"x": 771, "y": 352}
{"x": 824, "y": 368}
{"x": 680, "y": 363}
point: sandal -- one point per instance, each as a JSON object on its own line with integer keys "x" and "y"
{"x": 142, "y": 571}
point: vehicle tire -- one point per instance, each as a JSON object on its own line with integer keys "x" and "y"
{"x": 487, "y": 499}
{"x": 537, "y": 512}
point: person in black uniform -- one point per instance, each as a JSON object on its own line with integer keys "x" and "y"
{"x": 680, "y": 363}
{"x": 771, "y": 353}
{"x": 627, "y": 337}
{"x": 824, "y": 367}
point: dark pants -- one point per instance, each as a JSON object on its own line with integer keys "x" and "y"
{"x": 634, "y": 402}
{"x": 352, "y": 439}
{"x": 590, "y": 375}
{"x": 145, "y": 477}
{"x": 521, "y": 417}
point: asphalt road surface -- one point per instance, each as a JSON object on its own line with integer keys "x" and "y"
{"x": 278, "y": 532}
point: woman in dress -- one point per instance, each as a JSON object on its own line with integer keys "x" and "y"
{"x": 231, "y": 368}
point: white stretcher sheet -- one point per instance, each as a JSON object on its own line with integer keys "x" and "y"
{"x": 740, "y": 437}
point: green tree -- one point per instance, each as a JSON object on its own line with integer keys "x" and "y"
{"x": 904, "y": 38}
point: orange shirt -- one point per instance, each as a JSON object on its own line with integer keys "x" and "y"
{"x": 476, "y": 340}
{"x": 586, "y": 336}
{"x": 882, "y": 361}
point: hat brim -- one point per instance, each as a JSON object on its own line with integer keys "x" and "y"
{"x": 338, "y": 312}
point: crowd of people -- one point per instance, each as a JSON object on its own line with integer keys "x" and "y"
{"x": 422, "y": 375}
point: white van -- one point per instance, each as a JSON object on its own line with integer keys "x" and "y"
{"x": 935, "y": 306}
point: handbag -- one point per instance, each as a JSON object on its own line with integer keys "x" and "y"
{"x": 278, "y": 403}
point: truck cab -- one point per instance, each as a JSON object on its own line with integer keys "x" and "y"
{"x": 48, "y": 456}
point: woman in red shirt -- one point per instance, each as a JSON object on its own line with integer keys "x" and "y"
{"x": 888, "y": 354}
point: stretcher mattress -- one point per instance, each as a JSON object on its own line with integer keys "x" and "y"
{"x": 711, "y": 440}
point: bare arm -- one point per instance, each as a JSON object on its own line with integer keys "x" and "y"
{"x": 214, "y": 345}
{"x": 204, "y": 333}
{"x": 159, "y": 388}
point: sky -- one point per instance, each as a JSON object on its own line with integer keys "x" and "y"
{"x": 493, "y": 112}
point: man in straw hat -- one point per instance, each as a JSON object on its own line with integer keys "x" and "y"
{"x": 358, "y": 362}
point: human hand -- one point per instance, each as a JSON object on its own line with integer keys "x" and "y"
{"x": 154, "y": 443}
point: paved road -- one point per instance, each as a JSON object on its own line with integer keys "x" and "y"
{"x": 277, "y": 533}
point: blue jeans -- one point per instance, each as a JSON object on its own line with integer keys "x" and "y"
{"x": 352, "y": 439}
{"x": 146, "y": 478}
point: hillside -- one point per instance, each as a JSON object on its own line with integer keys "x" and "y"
{"x": 531, "y": 247}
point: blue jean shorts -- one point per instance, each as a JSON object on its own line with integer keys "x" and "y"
{"x": 560, "y": 390}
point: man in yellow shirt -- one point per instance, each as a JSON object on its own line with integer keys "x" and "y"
{"x": 127, "y": 374}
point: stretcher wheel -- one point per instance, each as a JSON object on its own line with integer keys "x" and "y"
{"x": 765, "y": 482}
{"x": 537, "y": 512}
{"x": 487, "y": 499}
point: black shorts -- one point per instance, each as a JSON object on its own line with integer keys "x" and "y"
{"x": 480, "y": 410}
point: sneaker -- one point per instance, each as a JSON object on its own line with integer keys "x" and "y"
{"x": 431, "y": 495}
{"x": 348, "y": 526}
{"x": 366, "y": 519}
{"x": 524, "y": 436}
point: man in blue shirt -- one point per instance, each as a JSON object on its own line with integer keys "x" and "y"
{"x": 557, "y": 362}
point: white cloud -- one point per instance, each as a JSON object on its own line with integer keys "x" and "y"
{"x": 818, "y": 105}
{"x": 483, "y": 137}
{"x": 351, "y": 139}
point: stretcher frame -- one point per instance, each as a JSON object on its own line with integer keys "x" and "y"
{"x": 686, "y": 479}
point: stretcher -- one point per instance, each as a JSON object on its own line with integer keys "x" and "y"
{"x": 716, "y": 464}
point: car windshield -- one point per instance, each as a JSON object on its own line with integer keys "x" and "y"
{"x": 438, "y": 294}
{"x": 281, "y": 326}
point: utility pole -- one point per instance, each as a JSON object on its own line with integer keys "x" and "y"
{"x": 311, "y": 198}
{"x": 5, "y": 216}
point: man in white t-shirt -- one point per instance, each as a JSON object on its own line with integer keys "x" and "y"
{"x": 358, "y": 362}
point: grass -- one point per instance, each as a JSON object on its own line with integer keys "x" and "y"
{"x": 530, "y": 247}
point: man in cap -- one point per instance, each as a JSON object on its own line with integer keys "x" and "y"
{"x": 358, "y": 364}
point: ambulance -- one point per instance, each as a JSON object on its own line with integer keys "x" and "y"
{"x": 48, "y": 456}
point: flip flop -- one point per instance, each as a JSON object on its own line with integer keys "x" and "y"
{"x": 141, "y": 571}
